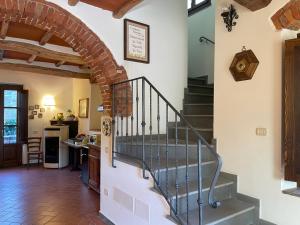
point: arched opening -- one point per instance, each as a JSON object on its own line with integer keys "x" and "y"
{"x": 56, "y": 21}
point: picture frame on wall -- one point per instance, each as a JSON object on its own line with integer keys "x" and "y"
{"x": 34, "y": 112}
{"x": 83, "y": 108}
{"x": 136, "y": 41}
{"x": 36, "y": 106}
{"x": 31, "y": 107}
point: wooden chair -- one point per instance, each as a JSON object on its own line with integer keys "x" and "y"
{"x": 34, "y": 150}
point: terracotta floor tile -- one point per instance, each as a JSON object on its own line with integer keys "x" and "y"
{"x": 43, "y": 196}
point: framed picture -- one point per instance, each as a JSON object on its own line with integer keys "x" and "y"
{"x": 34, "y": 112}
{"x": 31, "y": 107}
{"x": 36, "y": 107}
{"x": 42, "y": 110}
{"x": 31, "y": 117}
{"x": 136, "y": 41}
{"x": 83, "y": 108}
{"x": 40, "y": 115}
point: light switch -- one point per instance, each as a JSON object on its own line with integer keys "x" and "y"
{"x": 105, "y": 192}
{"x": 260, "y": 131}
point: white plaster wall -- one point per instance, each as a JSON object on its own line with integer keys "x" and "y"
{"x": 201, "y": 55}
{"x": 129, "y": 180}
{"x": 82, "y": 90}
{"x": 241, "y": 107}
{"x": 38, "y": 86}
{"x": 168, "y": 41}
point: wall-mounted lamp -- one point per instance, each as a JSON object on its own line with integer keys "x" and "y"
{"x": 229, "y": 14}
{"x": 48, "y": 101}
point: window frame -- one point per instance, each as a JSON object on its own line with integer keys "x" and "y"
{"x": 198, "y": 7}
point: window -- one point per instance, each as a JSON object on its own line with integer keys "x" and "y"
{"x": 10, "y": 116}
{"x": 194, "y": 6}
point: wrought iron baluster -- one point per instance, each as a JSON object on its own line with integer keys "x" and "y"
{"x": 131, "y": 116}
{"x": 167, "y": 150}
{"x": 143, "y": 129}
{"x": 150, "y": 129}
{"x": 126, "y": 105}
{"x": 158, "y": 139}
{"x": 137, "y": 117}
{"x": 187, "y": 173}
{"x": 176, "y": 161}
{"x": 113, "y": 127}
{"x": 122, "y": 120}
{"x": 200, "y": 204}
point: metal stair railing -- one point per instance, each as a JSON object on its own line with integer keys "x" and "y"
{"x": 129, "y": 117}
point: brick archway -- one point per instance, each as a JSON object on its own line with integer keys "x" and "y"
{"x": 52, "y": 18}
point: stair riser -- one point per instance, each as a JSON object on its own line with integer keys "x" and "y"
{"x": 198, "y": 110}
{"x": 197, "y": 81}
{"x": 178, "y": 153}
{"x": 207, "y": 171}
{"x": 138, "y": 138}
{"x": 201, "y": 90}
{"x": 189, "y": 98}
{"x": 181, "y": 134}
{"x": 221, "y": 193}
{"x": 201, "y": 122}
{"x": 247, "y": 218}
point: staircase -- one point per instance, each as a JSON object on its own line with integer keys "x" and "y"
{"x": 180, "y": 158}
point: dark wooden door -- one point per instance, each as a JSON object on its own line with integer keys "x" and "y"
{"x": 94, "y": 169}
{"x": 13, "y": 123}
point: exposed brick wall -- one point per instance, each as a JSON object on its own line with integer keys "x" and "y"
{"x": 50, "y": 17}
{"x": 288, "y": 17}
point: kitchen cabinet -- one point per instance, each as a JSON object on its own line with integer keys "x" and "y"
{"x": 94, "y": 167}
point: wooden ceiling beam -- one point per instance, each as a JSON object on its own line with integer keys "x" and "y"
{"x": 43, "y": 70}
{"x": 73, "y": 2}
{"x": 58, "y": 64}
{"x": 47, "y": 36}
{"x": 40, "y": 52}
{"x": 120, "y": 12}
{"x": 32, "y": 58}
{"x": 4, "y": 28}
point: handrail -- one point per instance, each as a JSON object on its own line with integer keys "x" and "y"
{"x": 202, "y": 39}
{"x": 201, "y": 141}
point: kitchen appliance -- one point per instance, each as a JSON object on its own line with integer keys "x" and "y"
{"x": 56, "y": 153}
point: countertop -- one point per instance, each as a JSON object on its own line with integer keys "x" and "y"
{"x": 72, "y": 144}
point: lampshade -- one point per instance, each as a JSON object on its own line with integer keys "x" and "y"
{"x": 48, "y": 100}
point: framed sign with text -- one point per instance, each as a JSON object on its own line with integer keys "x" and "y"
{"x": 136, "y": 41}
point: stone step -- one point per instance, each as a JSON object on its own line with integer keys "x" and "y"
{"x": 200, "y": 121}
{"x": 198, "y": 98}
{"x": 207, "y": 134}
{"x": 225, "y": 189}
{"x": 175, "y": 152}
{"x": 208, "y": 170}
{"x": 204, "y": 89}
{"x": 198, "y": 109}
{"x": 198, "y": 80}
{"x": 232, "y": 212}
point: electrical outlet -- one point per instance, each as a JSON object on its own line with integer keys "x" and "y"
{"x": 260, "y": 131}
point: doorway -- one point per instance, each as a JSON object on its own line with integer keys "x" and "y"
{"x": 13, "y": 123}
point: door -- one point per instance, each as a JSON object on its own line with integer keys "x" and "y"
{"x": 13, "y": 123}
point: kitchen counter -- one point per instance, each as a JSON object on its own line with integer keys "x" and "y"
{"x": 90, "y": 169}
{"x": 72, "y": 144}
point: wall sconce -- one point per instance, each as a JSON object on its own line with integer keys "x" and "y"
{"x": 48, "y": 101}
{"x": 229, "y": 15}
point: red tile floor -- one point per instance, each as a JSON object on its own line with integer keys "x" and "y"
{"x": 38, "y": 196}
